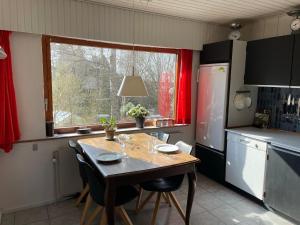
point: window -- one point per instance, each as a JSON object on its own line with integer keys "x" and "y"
{"x": 82, "y": 79}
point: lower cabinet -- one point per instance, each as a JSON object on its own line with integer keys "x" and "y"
{"x": 283, "y": 182}
{"x": 212, "y": 163}
{"x": 246, "y": 163}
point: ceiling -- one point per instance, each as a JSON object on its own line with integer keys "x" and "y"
{"x": 217, "y": 11}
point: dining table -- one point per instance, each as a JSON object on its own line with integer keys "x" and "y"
{"x": 141, "y": 164}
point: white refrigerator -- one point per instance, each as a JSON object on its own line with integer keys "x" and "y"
{"x": 212, "y": 102}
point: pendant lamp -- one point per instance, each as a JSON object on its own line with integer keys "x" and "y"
{"x": 133, "y": 85}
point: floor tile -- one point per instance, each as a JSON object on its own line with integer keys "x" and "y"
{"x": 67, "y": 219}
{"x": 43, "y": 222}
{"x": 214, "y": 204}
{"x": 248, "y": 207}
{"x": 228, "y": 215}
{"x": 62, "y": 208}
{"x": 31, "y": 215}
{"x": 228, "y": 196}
{"x": 205, "y": 218}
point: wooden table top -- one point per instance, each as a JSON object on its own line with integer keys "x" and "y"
{"x": 139, "y": 158}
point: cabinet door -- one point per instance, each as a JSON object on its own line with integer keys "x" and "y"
{"x": 296, "y": 62}
{"x": 269, "y": 61}
{"x": 283, "y": 182}
{"x": 212, "y": 163}
{"x": 218, "y": 52}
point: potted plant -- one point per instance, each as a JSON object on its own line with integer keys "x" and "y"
{"x": 109, "y": 126}
{"x": 139, "y": 113}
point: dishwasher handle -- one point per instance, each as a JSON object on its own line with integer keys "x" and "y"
{"x": 287, "y": 151}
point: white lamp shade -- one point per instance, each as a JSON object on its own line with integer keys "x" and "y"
{"x": 3, "y": 55}
{"x": 133, "y": 86}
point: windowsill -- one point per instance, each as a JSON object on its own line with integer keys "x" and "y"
{"x": 102, "y": 133}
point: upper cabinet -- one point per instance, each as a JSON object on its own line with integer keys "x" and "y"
{"x": 269, "y": 61}
{"x": 219, "y": 52}
{"x": 295, "y": 81}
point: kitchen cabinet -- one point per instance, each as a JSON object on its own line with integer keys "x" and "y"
{"x": 295, "y": 81}
{"x": 269, "y": 61}
{"x": 212, "y": 162}
{"x": 246, "y": 163}
{"x": 218, "y": 52}
{"x": 283, "y": 181}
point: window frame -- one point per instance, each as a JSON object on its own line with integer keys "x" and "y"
{"x": 46, "y": 52}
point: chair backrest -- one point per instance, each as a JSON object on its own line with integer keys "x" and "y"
{"x": 97, "y": 186}
{"x": 74, "y": 146}
{"x": 184, "y": 147}
{"x": 163, "y": 136}
{"x": 77, "y": 150}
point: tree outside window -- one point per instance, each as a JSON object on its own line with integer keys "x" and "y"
{"x": 85, "y": 82}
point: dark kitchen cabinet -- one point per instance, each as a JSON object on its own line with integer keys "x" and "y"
{"x": 282, "y": 183}
{"x": 296, "y": 62}
{"x": 212, "y": 163}
{"x": 269, "y": 61}
{"x": 218, "y": 52}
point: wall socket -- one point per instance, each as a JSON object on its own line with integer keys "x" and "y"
{"x": 35, "y": 147}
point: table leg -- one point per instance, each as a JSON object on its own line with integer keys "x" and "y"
{"x": 110, "y": 192}
{"x": 192, "y": 186}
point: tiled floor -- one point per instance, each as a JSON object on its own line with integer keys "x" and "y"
{"x": 214, "y": 204}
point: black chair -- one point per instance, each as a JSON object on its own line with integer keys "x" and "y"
{"x": 163, "y": 136}
{"x": 124, "y": 194}
{"x": 77, "y": 150}
{"x": 164, "y": 188}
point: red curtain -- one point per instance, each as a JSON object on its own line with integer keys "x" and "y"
{"x": 183, "y": 100}
{"x": 9, "y": 126}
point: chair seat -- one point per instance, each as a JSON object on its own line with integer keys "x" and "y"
{"x": 124, "y": 194}
{"x": 168, "y": 184}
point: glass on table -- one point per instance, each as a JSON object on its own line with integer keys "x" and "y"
{"x": 153, "y": 142}
{"x": 123, "y": 138}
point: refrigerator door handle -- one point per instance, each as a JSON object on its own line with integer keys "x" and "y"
{"x": 198, "y": 74}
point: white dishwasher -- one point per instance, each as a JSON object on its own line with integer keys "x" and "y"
{"x": 246, "y": 164}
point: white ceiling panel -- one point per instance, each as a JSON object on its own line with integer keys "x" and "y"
{"x": 217, "y": 11}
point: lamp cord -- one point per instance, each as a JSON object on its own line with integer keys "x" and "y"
{"x": 133, "y": 37}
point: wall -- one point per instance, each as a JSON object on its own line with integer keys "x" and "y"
{"x": 239, "y": 117}
{"x": 267, "y": 27}
{"x": 27, "y": 176}
{"x": 101, "y": 22}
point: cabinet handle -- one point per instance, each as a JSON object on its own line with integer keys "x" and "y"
{"x": 244, "y": 141}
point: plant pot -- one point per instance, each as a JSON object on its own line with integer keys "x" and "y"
{"x": 110, "y": 134}
{"x": 140, "y": 122}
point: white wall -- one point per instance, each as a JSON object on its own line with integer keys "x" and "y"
{"x": 27, "y": 176}
{"x": 267, "y": 27}
{"x": 94, "y": 21}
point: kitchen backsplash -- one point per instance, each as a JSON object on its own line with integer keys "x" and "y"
{"x": 275, "y": 100}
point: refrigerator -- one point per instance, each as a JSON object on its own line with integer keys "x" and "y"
{"x": 211, "y": 108}
{"x": 220, "y": 78}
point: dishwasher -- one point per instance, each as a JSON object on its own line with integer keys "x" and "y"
{"x": 282, "y": 184}
{"x": 246, "y": 163}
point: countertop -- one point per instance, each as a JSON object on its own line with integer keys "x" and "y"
{"x": 283, "y": 139}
